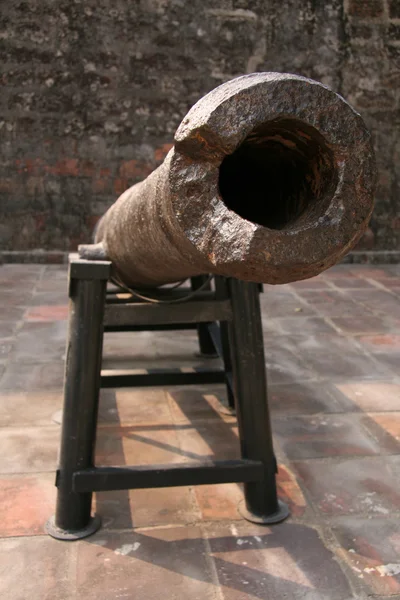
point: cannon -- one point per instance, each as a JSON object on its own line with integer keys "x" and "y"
{"x": 271, "y": 179}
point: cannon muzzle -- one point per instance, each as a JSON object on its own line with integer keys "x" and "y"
{"x": 271, "y": 179}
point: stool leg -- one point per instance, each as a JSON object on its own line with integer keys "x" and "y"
{"x": 247, "y": 348}
{"x": 223, "y": 327}
{"x": 73, "y": 519}
{"x": 222, "y": 290}
{"x": 207, "y": 348}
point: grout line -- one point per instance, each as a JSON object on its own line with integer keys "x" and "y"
{"x": 208, "y": 555}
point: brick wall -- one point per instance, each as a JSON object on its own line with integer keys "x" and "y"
{"x": 94, "y": 90}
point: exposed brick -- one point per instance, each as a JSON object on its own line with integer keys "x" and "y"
{"x": 161, "y": 153}
{"x": 101, "y": 186}
{"x": 365, "y": 8}
{"x": 67, "y": 166}
{"x": 79, "y": 129}
{"x": 357, "y": 31}
{"x": 120, "y": 185}
{"x": 87, "y": 168}
{"x": 134, "y": 169}
{"x": 394, "y": 9}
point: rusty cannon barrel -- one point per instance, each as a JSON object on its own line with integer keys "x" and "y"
{"x": 271, "y": 179}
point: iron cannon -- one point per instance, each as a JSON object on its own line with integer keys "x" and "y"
{"x": 271, "y": 179}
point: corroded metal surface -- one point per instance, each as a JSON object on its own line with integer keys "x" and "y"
{"x": 271, "y": 179}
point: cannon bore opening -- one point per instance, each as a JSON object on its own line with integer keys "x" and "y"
{"x": 280, "y": 176}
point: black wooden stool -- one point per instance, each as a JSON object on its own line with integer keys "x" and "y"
{"x": 228, "y": 320}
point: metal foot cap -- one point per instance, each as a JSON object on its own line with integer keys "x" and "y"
{"x": 72, "y": 535}
{"x": 280, "y": 515}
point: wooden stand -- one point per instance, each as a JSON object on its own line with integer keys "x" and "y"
{"x": 228, "y": 321}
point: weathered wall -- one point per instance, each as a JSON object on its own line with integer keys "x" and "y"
{"x": 94, "y": 90}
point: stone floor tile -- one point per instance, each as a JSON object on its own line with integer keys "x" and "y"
{"x": 37, "y": 567}
{"x": 388, "y": 422}
{"x": 332, "y": 303}
{"x": 55, "y": 298}
{"x": 385, "y": 348}
{"x": 303, "y": 326}
{"x": 44, "y": 313}
{"x": 40, "y": 342}
{"x": 199, "y": 404}
{"x": 114, "y": 508}
{"x": 285, "y": 561}
{"x": 33, "y": 377}
{"x": 290, "y": 492}
{"x": 305, "y": 398}
{"x": 390, "y": 284}
{"x": 219, "y": 502}
{"x": 6, "y": 346}
{"x": 55, "y": 280}
{"x": 315, "y": 376}
{"x": 29, "y": 449}
{"x": 124, "y": 509}
{"x": 19, "y": 276}
{"x": 315, "y": 283}
{"x": 10, "y": 310}
{"x": 164, "y": 506}
{"x": 30, "y": 408}
{"x": 27, "y": 502}
{"x": 17, "y": 272}
{"x": 381, "y": 343}
{"x": 374, "y": 272}
{"x": 335, "y": 357}
{"x": 341, "y": 271}
{"x": 284, "y": 363}
{"x": 380, "y": 597}
{"x": 150, "y": 344}
{"x": 351, "y": 283}
{"x": 366, "y": 486}
{"x": 270, "y": 326}
{"x": 366, "y": 324}
{"x": 136, "y": 445}
{"x": 372, "y": 395}
{"x": 317, "y": 436}
{"x": 134, "y": 406}
{"x": 141, "y": 365}
{"x": 388, "y": 361}
{"x": 371, "y": 547}
{"x": 7, "y": 328}
{"x": 145, "y": 565}
{"x": 282, "y": 303}
{"x": 384, "y": 430}
{"x": 212, "y": 440}
{"x": 117, "y": 346}
{"x": 380, "y": 302}
{"x": 153, "y": 350}
{"x": 16, "y": 295}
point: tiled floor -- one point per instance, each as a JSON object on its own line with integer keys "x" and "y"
{"x": 333, "y": 358}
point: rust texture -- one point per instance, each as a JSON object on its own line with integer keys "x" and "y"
{"x": 271, "y": 179}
